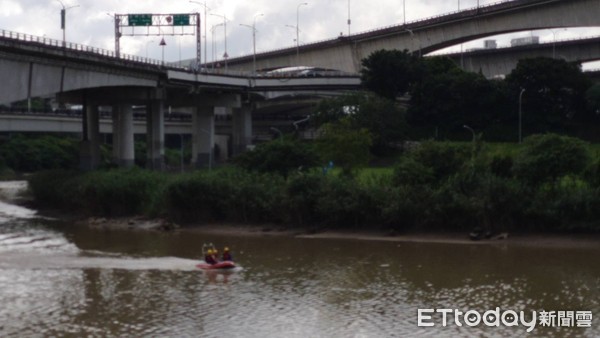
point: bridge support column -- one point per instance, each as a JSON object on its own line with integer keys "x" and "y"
{"x": 125, "y": 137}
{"x": 115, "y": 135}
{"x": 242, "y": 129}
{"x": 203, "y": 137}
{"x": 90, "y": 143}
{"x": 155, "y": 135}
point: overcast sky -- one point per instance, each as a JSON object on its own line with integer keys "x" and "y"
{"x": 89, "y": 23}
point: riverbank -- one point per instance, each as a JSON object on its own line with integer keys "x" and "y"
{"x": 539, "y": 240}
{"x": 12, "y": 192}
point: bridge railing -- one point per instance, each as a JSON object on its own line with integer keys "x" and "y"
{"x": 42, "y": 40}
{"x": 48, "y": 42}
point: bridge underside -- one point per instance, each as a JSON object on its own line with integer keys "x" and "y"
{"x": 498, "y": 62}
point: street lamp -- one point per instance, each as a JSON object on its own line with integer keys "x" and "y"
{"x": 298, "y": 31}
{"x": 147, "y": 43}
{"x": 253, "y": 27}
{"x": 521, "y": 115}
{"x": 349, "y": 18}
{"x": 404, "y": 10}
{"x": 471, "y": 130}
{"x": 63, "y": 20}
{"x": 553, "y": 43}
{"x": 225, "y": 55}
{"x": 213, "y": 30}
{"x": 205, "y": 20}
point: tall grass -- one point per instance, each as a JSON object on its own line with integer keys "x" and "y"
{"x": 438, "y": 186}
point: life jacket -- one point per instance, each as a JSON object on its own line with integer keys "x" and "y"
{"x": 210, "y": 259}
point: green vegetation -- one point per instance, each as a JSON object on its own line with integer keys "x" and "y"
{"x": 436, "y": 186}
{"x": 27, "y": 154}
{"x": 550, "y": 182}
{"x": 281, "y": 156}
{"x": 558, "y": 97}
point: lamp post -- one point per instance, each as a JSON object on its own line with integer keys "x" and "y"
{"x": 298, "y": 31}
{"x": 206, "y": 9}
{"x": 349, "y": 18}
{"x": 553, "y": 44}
{"x": 213, "y": 30}
{"x": 521, "y": 115}
{"x": 63, "y": 20}
{"x": 404, "y": 10}
{"x": 225, "y": 55}
{"x": 147, "y": 43}
{"x": 253, "y": 27}
{"x": 471, "y": 130}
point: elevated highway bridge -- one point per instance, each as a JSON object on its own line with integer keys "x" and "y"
{"x": 91, "y": 77}
{"x": 425, "y": 36}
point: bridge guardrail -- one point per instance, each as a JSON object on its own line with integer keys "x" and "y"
{"x": 75, "y": 47}
{"x": 48, "y": 42}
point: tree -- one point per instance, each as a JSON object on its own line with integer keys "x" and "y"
{"x": 345, "y": 145}
{"x": 389, "y": 73}
{"x": 545, "y": 158}
{"x": 554, "y": 91}
{"x": 280, "y": 156}
{"x": 448, "y": 97}
{"x": 592, "y": 97}
{"x": 383, "y": 118}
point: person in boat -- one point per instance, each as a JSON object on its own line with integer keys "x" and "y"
{"x": 227, "y": 255}
{"x": 209, "y": 258}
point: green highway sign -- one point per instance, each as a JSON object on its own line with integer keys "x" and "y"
{"x": 139, "y": 19}
{"x": 181, "y": 20}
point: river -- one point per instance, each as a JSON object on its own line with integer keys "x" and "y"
{"x": 62, "y": 280}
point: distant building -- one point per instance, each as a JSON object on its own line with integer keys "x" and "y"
{"x": 490, "y": 44}
{"x": 530, "y": 40}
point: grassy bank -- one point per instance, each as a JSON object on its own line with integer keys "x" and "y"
{"x": 550, "y": 183}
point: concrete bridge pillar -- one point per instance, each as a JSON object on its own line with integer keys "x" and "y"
{"x": 115, "y": 135}
{"x": 242, "y": 129}
{"x": 155, "y": 135}
{"x": 124, "y": 142}
{"x": 90, "y": 143}
{"x": 203, "y": 137}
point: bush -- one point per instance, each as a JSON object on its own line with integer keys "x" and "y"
{"x": 224, "y": 195}
{"x": 40, "y": 153}
{"x": 55, "y": 188}
{"x": 570, "y": 204}
{"x": 343, "y": 203}
{"x": 121, "y": 192}
{"x": 592, "y": 173}
{"x": 501, "y": 165}
{"x": 545, "y": 158}
{"x": 406, "y": 207}
{"x": 301, "y": 197}
{"x": 281, "y": 156}
{"x": 443, "y": 158}
{"x": 410, "y": 172}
